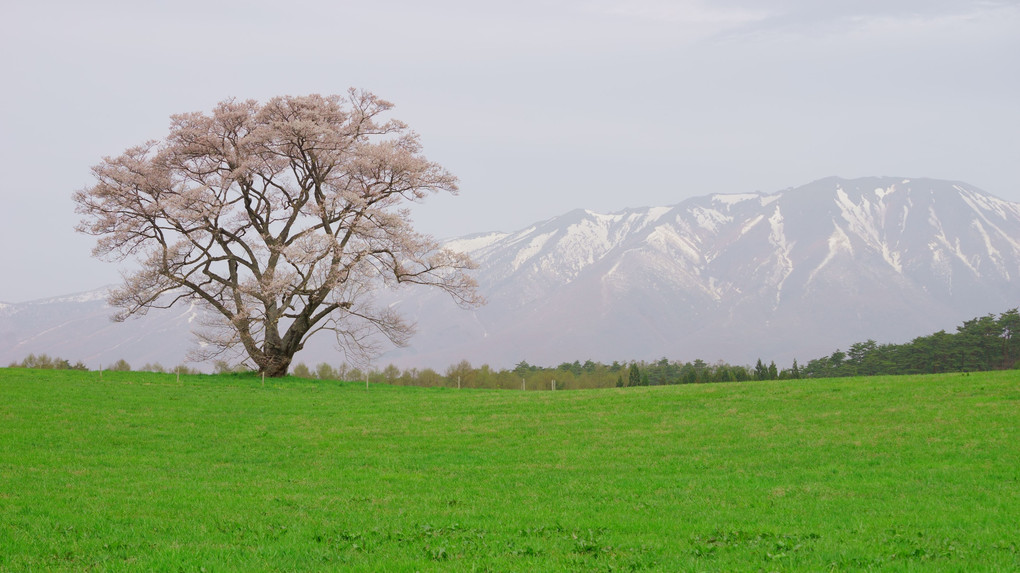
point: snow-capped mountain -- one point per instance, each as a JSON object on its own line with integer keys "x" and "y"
{"x": 795, "y": 273}
{"x": 792, "y": 274}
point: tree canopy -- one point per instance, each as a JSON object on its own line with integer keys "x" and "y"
{"x": 981, "y": 343}
{"x": 282, "y": 218}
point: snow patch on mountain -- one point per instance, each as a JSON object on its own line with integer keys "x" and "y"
{"x": 777, "y": 238}
{"x": 612, "y": 270}
{"x": 533, "y": 248}
{"x": 666, "y": 239}
{"x": 994, "y": 255}
{"x": 933, "y": 217}
{"x": 751, "y": 224}
{"x": 604, "y": 218}
{"x": 881, "y": 192}
{"x": 941, "y": 266}
{"x": 838, "y": 242}
{"x": 983, "y": 204}
{"x": 710, "y": 219}
{"x": 861, "y": 218}
{"x": 956, "y": 249}
{"x": 193, "y": 312}
{"x": 473, "y": 243}
{"x": 590, "y": 238}
{"x": 656, "y": 213}
{"x": 715, "y": 290}
{"x": 733, "y": 199}
{"x": 89, "y": 296}
{"x": 892, "y": 257}
{"x": 903, "y": 217}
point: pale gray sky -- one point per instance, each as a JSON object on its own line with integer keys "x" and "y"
{"x": 538, "y": 106}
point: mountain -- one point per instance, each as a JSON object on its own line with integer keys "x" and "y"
{"x": 792, "y": 274}
{"x": 77, "y": 327}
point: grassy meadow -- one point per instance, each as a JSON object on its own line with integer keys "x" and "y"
{"x": 138, "y": 472}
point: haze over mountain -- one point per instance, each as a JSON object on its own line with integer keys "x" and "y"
{"x": 792, "y": 274}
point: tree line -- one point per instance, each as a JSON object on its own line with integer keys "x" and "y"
{"x": 45, "y": 362}
{"x": 566, "y": 376}
{"x": 982, "y": 343}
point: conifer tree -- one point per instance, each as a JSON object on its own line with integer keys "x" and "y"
{"x": 635, "y": 376}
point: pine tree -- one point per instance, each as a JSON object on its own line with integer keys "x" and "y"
{"x": 635, "y": 376}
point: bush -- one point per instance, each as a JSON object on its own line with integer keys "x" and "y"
{"x": 325, "y": 372}
{"x": 45, "y": 362}
{"x": 120, "y": 366}
{"x": 182, "y": 369}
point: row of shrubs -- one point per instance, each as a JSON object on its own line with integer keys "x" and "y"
{"x": 565, "y": 376}
{"x": 44, "y": 362}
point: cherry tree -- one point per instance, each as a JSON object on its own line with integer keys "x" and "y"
{"x": 281, "y": 218}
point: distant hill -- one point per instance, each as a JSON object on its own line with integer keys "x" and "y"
{"x": 78, "y": 327}
{"x": 796, "y": 273}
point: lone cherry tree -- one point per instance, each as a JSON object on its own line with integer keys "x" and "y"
{"x": 281, "y": 218}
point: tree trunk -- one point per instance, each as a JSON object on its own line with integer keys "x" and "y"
{"x": 275, "y": 365}
{"x": 276, "y": 355}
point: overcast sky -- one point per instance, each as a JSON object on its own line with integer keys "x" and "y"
{"x": 538, "y": 106}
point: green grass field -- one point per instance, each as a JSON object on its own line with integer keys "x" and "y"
{"x": 137, "y": 472}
